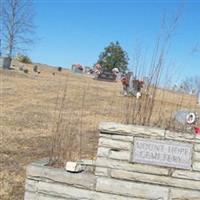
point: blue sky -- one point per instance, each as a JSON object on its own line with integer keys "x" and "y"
{"x": 77, "y": 31}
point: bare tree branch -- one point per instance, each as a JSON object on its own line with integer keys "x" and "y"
{"x": 190, "y": 85}
{"x": 196, "y": 48}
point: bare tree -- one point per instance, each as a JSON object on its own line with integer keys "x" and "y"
{"x": 196, "y": 48}
{"x": 190, "y": 85}
{"x": 17, "y": 25}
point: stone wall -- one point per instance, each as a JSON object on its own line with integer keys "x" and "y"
{"x": 117, "y": 176}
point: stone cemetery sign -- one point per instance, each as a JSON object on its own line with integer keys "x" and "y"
{"x": 163, "y": 153}
{"x": 113, "y": 175}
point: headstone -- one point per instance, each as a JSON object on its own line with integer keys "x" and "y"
{"x": 162, "y": 153}
{"x": 5, "y": 62}
{"x": 185, "y": 117}
{"x": 181, "y": 116}
{"x": 106, "y": 75}
{"x": 35, "y": 68}
{"x": 77, "y": 68}
{"x": 59, "y": 69}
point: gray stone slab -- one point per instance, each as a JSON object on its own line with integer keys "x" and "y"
{"x": 117, "y": 164}
{"x": 117, "y": 137}
{"x": 31, "y": 185}
{"x": 64, "y": 191}
{"x": 197, "y": 147}
{"x": 180, "y": 194}
{"x": 196, "y": 156}
{"x": 120, "y": 155}
{"x": 133, "y": 189}
{"x": 122, "y": 138}
{"x": 155, "y": 179}
{"x": 196, "y": 166}
{"x": 179, "y": 136}
{"x": 185, "y": 174}
{"x": 103, "y": 152}
{"x": 83, "y": 180}
{"x": 55, "y": 191}
{"x": 114, "y": 144}
{"x": 197, "y": 137}
{"x": 104, "y": 196}
{"x": 38, "y": 196}
{"x": 30, "y": 195}
{"x": 121, "y": 129}
{"x": 101, "y": 171}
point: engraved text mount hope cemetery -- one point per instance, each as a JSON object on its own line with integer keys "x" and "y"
{"x": 162, "y": 153}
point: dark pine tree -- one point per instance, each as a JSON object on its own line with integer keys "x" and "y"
{"x": 114, "y": 56}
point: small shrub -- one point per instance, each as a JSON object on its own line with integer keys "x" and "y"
{"x": 59, "y": 69}
{"x": 21, "y": 68}
{"x": 26, "y": 71}
{"x": 23, "y": 59}
{"x": 35, "y": 68}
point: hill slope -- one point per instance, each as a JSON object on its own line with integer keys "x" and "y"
{"x": 28, "y": 110}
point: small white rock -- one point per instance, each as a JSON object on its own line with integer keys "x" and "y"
{"x": 73, "y": 166}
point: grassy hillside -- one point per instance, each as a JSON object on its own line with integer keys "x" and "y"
{"x": 30, "y": 104}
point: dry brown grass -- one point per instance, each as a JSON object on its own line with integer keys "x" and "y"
{"x": 28, "y": 112}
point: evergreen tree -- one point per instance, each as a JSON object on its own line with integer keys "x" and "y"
{"x": 113, "y": 56}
